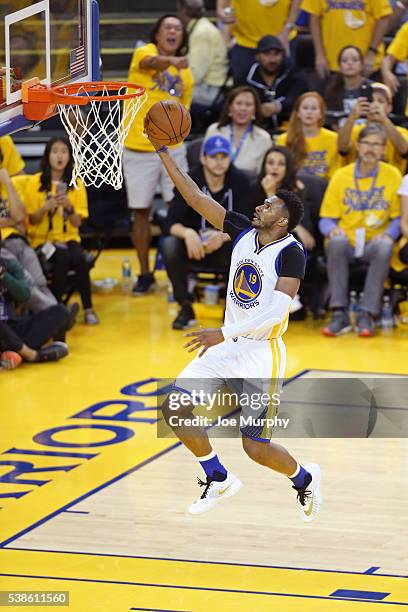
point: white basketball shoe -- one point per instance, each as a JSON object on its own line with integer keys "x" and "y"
{"x": 216, "y": 489}
{"x": 309, "y": 495}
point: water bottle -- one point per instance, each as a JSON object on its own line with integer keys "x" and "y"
{"x": 353, "y": 308}
{"x": 211, "y": 295}
{"x": 126, "y": 274}
{"x": 170, "y": 294}
{"x": 387, "y": 321}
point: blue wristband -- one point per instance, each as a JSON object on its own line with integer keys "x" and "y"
{"x": 162, "y": 149}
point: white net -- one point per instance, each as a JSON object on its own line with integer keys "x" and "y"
{"x": 97, "y": 133}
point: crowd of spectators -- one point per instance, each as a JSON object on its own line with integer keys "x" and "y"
{"x": 337, "y": 136}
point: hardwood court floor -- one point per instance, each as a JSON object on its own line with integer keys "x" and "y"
{"x": 94, "y": 503}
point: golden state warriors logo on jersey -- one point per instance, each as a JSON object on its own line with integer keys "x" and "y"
{"x": 247, "y": 283}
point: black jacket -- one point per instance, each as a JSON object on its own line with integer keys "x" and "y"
{"x": 236, "y": 195}
{"x": 288, "y": 85}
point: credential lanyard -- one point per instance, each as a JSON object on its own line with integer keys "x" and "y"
{"x": 227, "y": 196}
{"x": 234, "y": 154}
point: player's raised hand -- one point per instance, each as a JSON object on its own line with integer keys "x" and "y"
{"x": 203, "y": 338}
{"x": 148, "y": 133}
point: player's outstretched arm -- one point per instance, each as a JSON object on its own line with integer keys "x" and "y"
{"x": 192, "y": 194}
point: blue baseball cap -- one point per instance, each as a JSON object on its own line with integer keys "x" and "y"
{"x": 216, "y": 144}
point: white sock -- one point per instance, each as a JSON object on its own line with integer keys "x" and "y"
{"x": 296, "y": 472}
{"x": 207, "y": 457}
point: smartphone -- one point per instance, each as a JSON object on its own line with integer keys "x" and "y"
{"x": 62, "y": 188}
{"x": 366, "y": 91}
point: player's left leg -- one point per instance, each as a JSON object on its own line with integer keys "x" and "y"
{"x": 271, "y": 357}
{"x": 305, "y": 479}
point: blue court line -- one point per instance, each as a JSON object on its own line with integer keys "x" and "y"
{"x": 75, "y": 511}
{"x": 372, "y": 570}
{"x": 228, "y": 563}
{"x": 372, "y": 595}
{"x": 85, "y": 495}
{"x": 214, "y": 589}
{"x": 115, "y": 479}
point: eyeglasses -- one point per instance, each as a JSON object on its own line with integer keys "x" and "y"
{"x": 374, "y": 145}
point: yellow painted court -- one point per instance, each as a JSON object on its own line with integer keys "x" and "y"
{"x": 94, "y": 503}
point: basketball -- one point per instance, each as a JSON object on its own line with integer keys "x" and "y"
{"x": 168, "y": 123}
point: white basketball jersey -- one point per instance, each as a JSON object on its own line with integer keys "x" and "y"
{"x": 254, "y": 272}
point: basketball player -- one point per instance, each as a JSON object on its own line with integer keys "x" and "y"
{"x": 267, "y": 264}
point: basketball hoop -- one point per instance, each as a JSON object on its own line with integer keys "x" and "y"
{"x": 97, "y": 117}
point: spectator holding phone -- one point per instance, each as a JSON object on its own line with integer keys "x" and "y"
{"x": 375, "y": 106}
{"x": 55, "y": 212}
{"x": 344, "y": 88}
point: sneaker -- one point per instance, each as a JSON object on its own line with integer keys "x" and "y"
{"x": 52, "y": 352}
{"x": 217, "y": 487}
{"x": 143, "y": 284}
{"x": 309, "y": 495}
{"x": 365, "y": 325}
{"x": 91, "y": 318}
{"x": 185, "y": 318}
{"x": 10, "y": 360}
{"x": 340, "y": 324}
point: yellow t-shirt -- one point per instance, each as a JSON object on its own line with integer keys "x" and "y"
{"x": 12, "y": 160}
{"x": 322, "y": 155}
{"x": 343, "y": 26}
{"x": 168, "y": 84}
{"x": 367, "y": 206}
{"x": 8, "y": 231}
{"x": 399, "y": 48}
{"x": 391, "y": 155}
{"x": 61, "y": 231}
{"x": 255, "y": 20}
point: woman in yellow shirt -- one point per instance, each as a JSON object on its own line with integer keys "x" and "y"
{"x": 55, "y": 212}
{"x": 314, "y": 148}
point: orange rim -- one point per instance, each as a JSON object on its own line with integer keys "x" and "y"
{"x": 68, "y": 94}
{"x": 40, "y": 101}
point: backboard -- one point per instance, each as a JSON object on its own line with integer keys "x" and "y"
{"x": 54, "y": 40}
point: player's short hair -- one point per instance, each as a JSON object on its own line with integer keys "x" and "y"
{"x": 373, "y": 129}
{"x": 294, "y": 206}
